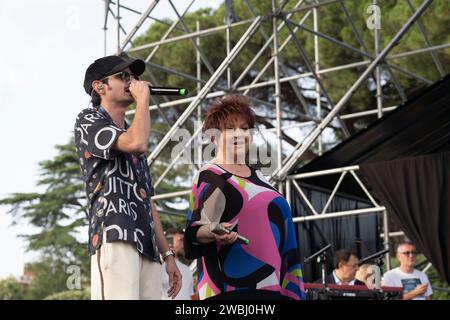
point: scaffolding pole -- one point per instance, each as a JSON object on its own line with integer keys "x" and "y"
{"x": 376, "y": 62}
{"x": 213, "y": 79}
{"x": 293, "y": 158}
{"x": 387, "y": 256}
{"x": 286, "y": 79}
{"x": 316, "y": 70}
{"x": 199, "y": 88}
{"x": 277, "y": 90}
{"x": 137, "y": 26}
{"x": 379, "y": 91}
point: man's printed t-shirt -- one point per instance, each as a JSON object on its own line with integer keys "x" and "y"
{"x": 118, "y": 185}
{"x": 409, "y": 281}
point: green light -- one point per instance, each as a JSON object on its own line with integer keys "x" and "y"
{"x": 183, "y": 92}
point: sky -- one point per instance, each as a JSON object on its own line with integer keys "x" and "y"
{"x": 46, "y": 46}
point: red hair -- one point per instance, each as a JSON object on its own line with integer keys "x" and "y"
{"x": 224, "y": 111}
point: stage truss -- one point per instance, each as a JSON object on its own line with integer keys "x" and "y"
{"x": 221, "y": 81}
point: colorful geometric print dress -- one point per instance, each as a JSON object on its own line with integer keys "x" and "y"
{"x": 268, "y": 267}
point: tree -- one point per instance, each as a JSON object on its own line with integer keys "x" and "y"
{"x": 333, "y": 22}
{"x": 50, "y": 277}
{"x": 11, "y": 289}
{"x": 59, "y": 212}
{"x": 70, "y": 295}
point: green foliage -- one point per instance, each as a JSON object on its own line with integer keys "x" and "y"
{"x": 11, "y": 289}
{"x": 59, "y": 212}
{"x": 51, "y": 276}
{"x": 70, "y": 295}
{"x": 333, "y": 21}
{"x": 437, "y": 283}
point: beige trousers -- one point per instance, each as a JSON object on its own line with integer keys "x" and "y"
{"x": 119, "y": 272}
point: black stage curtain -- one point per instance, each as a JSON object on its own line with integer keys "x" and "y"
{"x": 420, "y": 126}
{"x": 357, "y": 233}
{"x": 416, "y": 193}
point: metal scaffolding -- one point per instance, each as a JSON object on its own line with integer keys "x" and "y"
{"x": 221, "y": 80}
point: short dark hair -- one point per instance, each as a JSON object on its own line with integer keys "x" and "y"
{"x": 404, "y": 243}
{"x": 342, "y": 255}
{"x": 95, "y": 97}
{"x": 227, "y": 108}
{"x": 172, "y": 231}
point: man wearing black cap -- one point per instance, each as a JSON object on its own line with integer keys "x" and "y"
{"x": 125, "y": 234}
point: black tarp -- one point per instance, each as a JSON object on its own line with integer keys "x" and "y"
{"x": 419, "y": 127}
{"x": 357, "y": 233}
{"x": 415, "y": 192}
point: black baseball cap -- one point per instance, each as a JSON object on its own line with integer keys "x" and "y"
{"x": 109, "y": 65}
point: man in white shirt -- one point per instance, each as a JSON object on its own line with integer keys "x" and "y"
{"x": 415, "y": 283}
{"x": 175, "y": 238}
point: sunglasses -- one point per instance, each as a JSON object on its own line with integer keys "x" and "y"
{"x": 407, "y": 253}
{"x": 124, "y": 75}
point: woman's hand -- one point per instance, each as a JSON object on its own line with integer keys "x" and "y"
{"x": 226, "y": 238}
{"x": 205, "y": 236}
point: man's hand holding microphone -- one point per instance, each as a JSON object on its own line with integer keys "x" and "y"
{"x": 140, "y": 92}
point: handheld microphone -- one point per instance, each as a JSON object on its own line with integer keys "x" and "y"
{"x": 219, "y": 229}
{"x": 167, "y": 91}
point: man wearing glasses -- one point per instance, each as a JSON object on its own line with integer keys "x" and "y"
{"x": 415, "y": 283}
{"x": 125, "y": 233}
{"x": 345, "y": 267}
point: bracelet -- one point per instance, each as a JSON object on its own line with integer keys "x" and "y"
{"x": 166, "y": 254}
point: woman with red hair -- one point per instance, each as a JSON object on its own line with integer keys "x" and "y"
{"x": 236, "y": 195}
